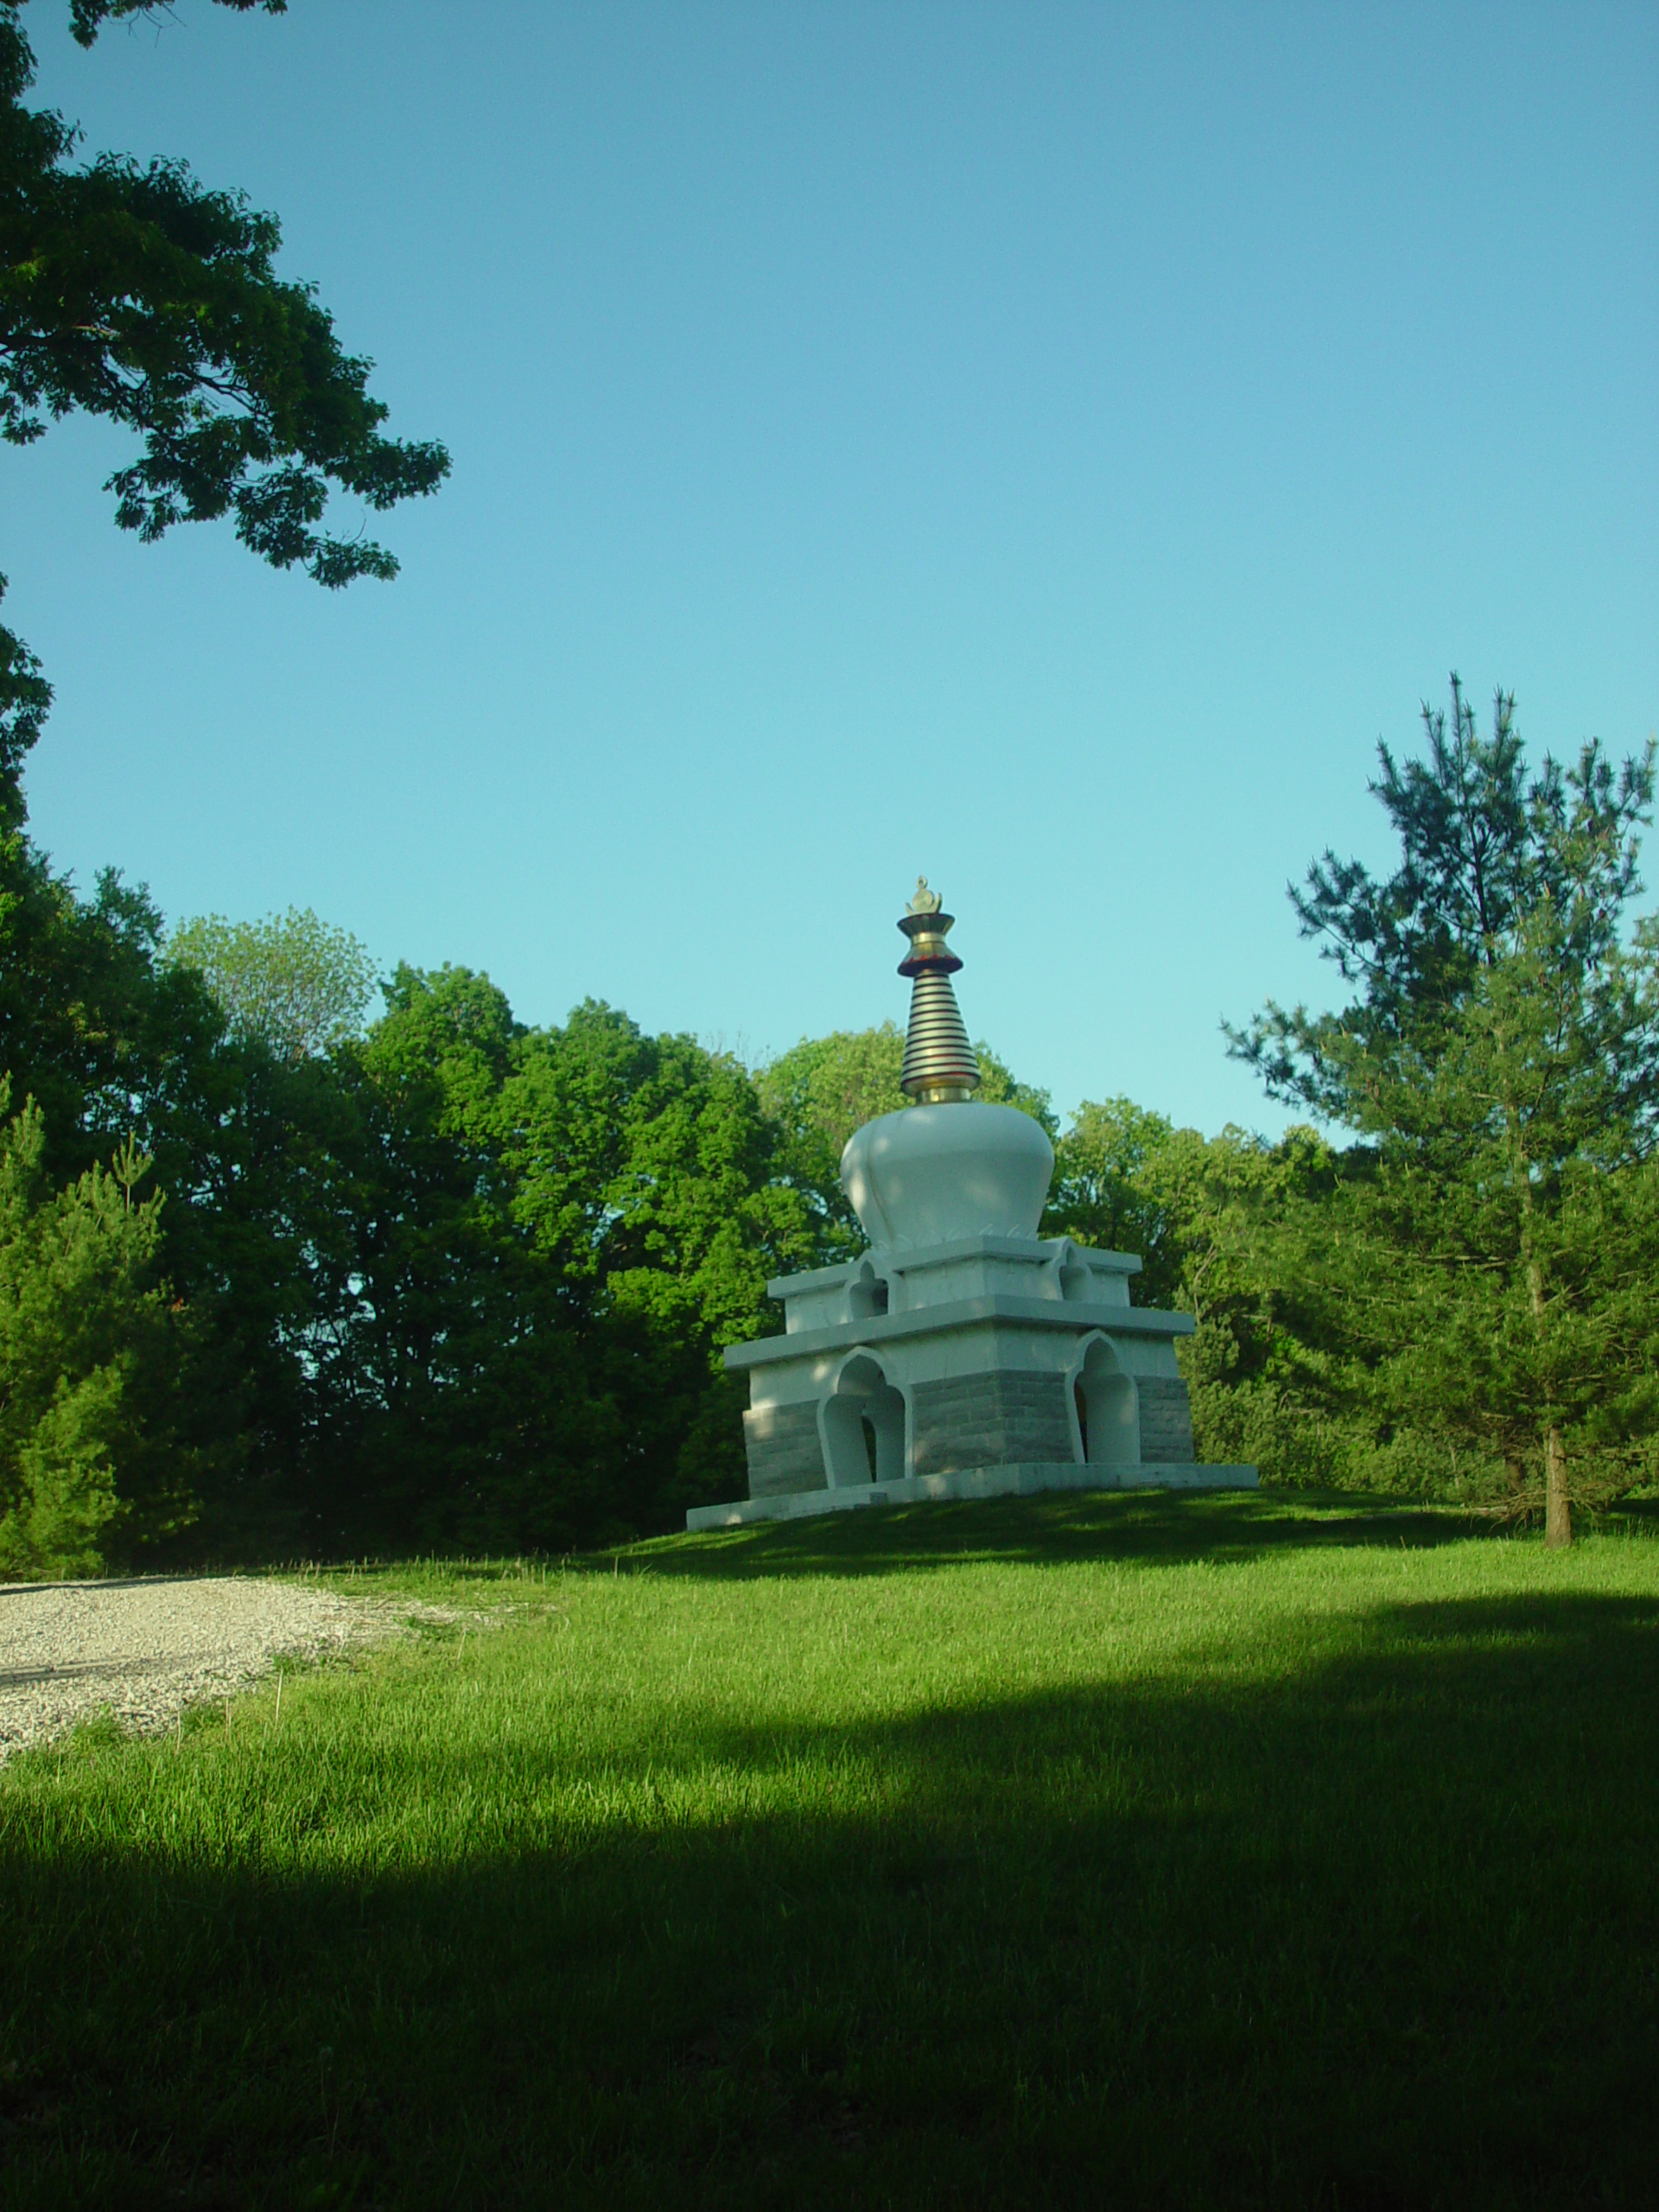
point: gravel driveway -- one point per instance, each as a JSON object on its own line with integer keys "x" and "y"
{"x": 146, "y": 1649}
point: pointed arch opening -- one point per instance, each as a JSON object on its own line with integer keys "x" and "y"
{"x": 862, "y": 1423}
{"x": 1106, "y": 1407}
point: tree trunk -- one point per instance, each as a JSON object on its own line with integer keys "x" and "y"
{"x": 1558, "y": 1513}
{"x": 1558, "y": 1517}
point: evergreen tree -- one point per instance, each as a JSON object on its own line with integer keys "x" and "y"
{"x": 80, "y": 1317}
{"x": 1490, "y": 1243}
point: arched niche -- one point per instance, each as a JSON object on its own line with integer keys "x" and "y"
{"x": 862, "y": 1425}
{"x": 1105, "y": 1407}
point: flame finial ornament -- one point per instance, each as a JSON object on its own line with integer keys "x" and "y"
{"x": 939, "y": 1067}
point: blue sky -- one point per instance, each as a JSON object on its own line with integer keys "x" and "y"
{"x": 1042, "y": 446}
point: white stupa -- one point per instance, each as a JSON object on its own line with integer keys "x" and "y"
{"x": 962, "y": 1354}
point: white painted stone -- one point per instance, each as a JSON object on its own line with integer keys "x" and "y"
{"x": 929, "y": 1174}
{"x": 960, "y": 1334}
{"x": 1026, "y": 1479}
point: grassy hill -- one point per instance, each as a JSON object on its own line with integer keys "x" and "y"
{"x": 1207, "y": 1851}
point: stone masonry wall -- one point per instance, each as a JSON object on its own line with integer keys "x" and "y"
{"x": 784, "y": 1451}
{"x": 995, "y": 1419}
{"x": 1166, "y": 1420}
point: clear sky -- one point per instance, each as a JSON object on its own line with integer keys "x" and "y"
{"x": 1044, "y": 446}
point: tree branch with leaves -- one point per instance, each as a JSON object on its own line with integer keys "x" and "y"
{"x": 136, "y": 293}
{"x": 1500, "y": 1063}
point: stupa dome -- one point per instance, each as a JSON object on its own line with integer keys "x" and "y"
{"x": 931, "y": 1174}
{"x": 944, "y": 1168}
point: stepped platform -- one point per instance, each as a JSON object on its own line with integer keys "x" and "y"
{"x": 1030, "y": 1479}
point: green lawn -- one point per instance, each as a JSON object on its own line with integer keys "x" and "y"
{"x": 1212, "y": 1851}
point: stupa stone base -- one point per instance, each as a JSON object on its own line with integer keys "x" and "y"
{"x": 1025, "y": 1479}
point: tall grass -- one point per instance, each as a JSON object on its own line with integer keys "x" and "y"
{"x": 1197, "y": 1851}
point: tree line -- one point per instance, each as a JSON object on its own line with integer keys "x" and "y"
{"x": 278, "y": 1278}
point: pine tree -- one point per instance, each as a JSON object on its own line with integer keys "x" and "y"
{"x": 1500, "y": 1061}
{"x": 78, "y": 1314}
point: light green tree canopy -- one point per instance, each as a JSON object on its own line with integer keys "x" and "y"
{"x": 291, "y": 983}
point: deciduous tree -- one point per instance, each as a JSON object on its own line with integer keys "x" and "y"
{"x": 79, "y": 1315}
{"x": 297, "y": 985}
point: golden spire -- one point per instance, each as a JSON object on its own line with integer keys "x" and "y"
{"x": 939, "y": 1065}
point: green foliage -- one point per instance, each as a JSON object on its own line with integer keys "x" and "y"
{"x": 137, "y": 294}
{"x": 25, "y": 699}
{"x": 449, "y": 1280}
{"x": 292, "y": 983}
{"x": 466, "y": 1282}
{"x": 1489, "y": 1250}
{"x": 87, "y": 17}
{"x": 78, "y": 1316}
{"x": 1116, "y": 1179}
{"x": 643, "y": 1169}
{"x": 824, "y": 1088}
{"x": 104, "y": 1040}
{"x": 1270, "y": 1385}
{"x": 454, "y": 1397}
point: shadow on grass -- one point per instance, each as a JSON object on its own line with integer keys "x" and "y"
{"x": 1384, "y": 1933}
{"x": 1091, "y": 1525}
